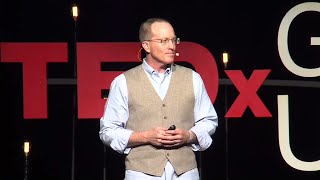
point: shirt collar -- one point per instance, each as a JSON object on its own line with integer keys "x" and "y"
{"x": 150, "y": 70}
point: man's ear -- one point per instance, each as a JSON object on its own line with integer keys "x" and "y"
{"x": 145, "y": 46}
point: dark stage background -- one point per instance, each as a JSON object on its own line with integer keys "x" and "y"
{"x": 248, "y": 30}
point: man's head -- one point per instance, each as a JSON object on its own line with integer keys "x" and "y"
{"x": 158, "y": 40}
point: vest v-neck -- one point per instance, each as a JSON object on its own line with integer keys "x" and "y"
{"x": 147, "y": 82}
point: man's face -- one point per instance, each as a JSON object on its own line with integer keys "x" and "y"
{"x": 162, "y": 52}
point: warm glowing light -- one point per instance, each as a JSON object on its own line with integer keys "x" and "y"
{"x": 75, "y": 11}
{"x": 26, "y": 147}
{"x": 225, "y": 58}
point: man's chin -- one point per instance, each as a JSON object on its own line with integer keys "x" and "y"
{"x": 170, "y": 60}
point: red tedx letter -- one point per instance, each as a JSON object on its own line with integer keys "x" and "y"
{"x": 34, "y": 58}
{"x": 91, "y": 80}
{"x": 248, "y": 96}
{"x": 203, "y": 62}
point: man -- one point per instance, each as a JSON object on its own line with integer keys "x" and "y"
{"x": 146, "y": 100}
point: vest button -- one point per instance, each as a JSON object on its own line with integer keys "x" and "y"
{"x": 168, "y": 154}
{"x": 165, "y": 117}
{"x": 163, "y": 105}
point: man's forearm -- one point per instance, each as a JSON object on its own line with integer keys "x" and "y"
{"x": 137, "y": 138}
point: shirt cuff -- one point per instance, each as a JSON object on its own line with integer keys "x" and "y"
{"x": 120, "y": 144}
{"x": 204, "y": 140}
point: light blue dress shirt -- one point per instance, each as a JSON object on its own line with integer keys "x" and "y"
{"x": 113, "y": 122}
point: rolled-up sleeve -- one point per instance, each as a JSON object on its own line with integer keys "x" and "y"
{"x": 206, "y": 119}
{"x": 112, "y": 123}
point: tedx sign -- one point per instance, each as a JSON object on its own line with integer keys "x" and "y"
{"x": 91, "y": 79}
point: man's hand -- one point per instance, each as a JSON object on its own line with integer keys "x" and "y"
{"x": 176, "y": 137}
{"x": 160, "y": 137}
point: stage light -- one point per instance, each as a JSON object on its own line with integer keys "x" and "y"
{"x": 225, "y": 59}
{"x": 26, "y": 147}
{"x": 75, "y": 12}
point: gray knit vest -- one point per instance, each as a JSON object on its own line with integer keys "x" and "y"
{"x": 147, "y": 110}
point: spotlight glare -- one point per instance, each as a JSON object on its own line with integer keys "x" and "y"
{"x": 26, "y": 147}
